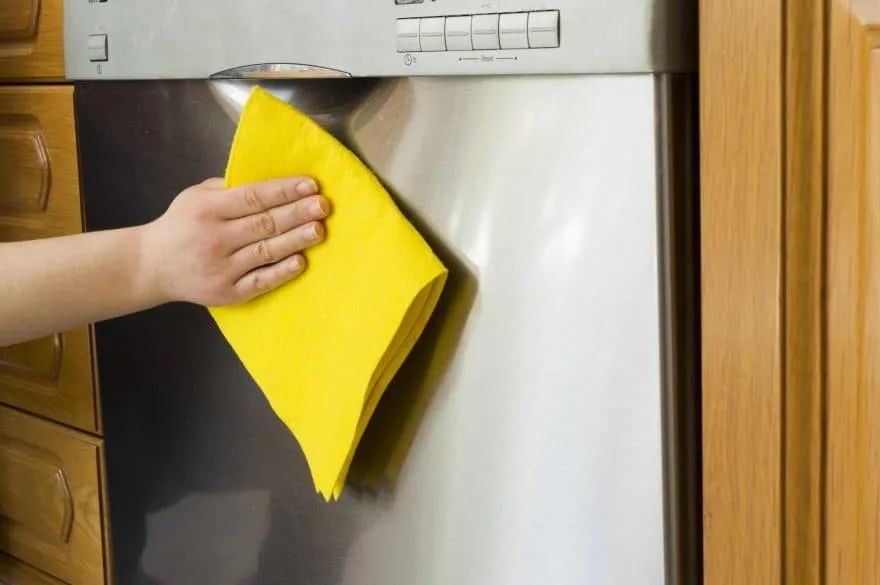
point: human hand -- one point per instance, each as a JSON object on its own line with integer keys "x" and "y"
{"x": 217, "y": 246}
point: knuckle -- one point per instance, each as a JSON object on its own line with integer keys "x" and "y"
{"x": 252, "y": 198}
{"x": 259, "y": 282}
{"x": 263, "y": 251}
{"x": 203, "y": 211}
{"x": 288, "y": 192}
{"x": 264, "y": 224}
{"x": 240, "y": 290}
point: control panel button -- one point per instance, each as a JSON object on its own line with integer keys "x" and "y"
{"x": 432, "y": 34}
{"x": 97, "y": 48}
{"x": 484, "y": 32}
{"x": 513, "y": 30}
{"x": 458, "y": 33}
{"x": 408, "y": 35}
{"x": 544, "y": 29}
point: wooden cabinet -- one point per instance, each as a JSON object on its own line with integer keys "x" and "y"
{"x": 39, "y": 197}
{"x": 790, "y": 203}
{"x": 14, "y": 572}
{"x": 31, "y": 39}
{"x": 52, "y": 495}
{"x": 51, "y": 498}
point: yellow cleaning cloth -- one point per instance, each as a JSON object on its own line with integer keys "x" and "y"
{"x": 324, "y": 347}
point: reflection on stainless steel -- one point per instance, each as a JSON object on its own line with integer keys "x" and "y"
{"x": 314, "y": 97}
{"x": 329, "y": 101}
{"x": 541, "y": 459}
{"x": 278, "y": 71}
{"x": 522, "y": 443}
{"x": 224, "y": 519}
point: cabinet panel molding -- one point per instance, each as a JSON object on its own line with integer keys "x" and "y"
{"x": 14, "y": 572}
{"x": 35, "y": 490}
{"x": 40, "y": 361}
{"x": 31, "y": 40}
{"x": 23, "y": 147}
{"x": 51, "y": 498}
{"x": 19, "y": 20}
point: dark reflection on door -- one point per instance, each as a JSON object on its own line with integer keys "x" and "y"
{"x": 205, "y": 483}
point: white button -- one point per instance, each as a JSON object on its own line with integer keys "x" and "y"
{"x": 432, "y": 34}
{"x": 408, "y": 35}
{"x": 484, "y": 32}
{"x": 513, "y": 29}
{"x": 458, "y": 33}
{"x": 97, "y": 48}
{"x": 544, "y": 29}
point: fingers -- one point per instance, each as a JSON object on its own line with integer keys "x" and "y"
{"x": 278, "y": 248}
{"x": 279, "y": 220}
{"x": 214, "y": 183}
{"x": 266, "y": 278}
{"x": 255, "y": 198}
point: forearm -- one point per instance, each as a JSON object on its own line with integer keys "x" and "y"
{"x": 213, "y": 246}
{"x": 58, "y": 284}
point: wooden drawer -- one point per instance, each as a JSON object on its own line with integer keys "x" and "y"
{"x": 14, "y": 572}
{"x": 39, "y": 197}
{"x": 51, "y": 498}
{"x": 39, "y": 174}
{"x": 32, "y": 39}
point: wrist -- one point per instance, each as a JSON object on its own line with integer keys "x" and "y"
{"x": 148, "y": 284}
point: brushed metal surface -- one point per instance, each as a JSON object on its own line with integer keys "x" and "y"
{"x": 279, "y": 71}
{"x": 194, "y": 39}
{"x": 534, "y": 400}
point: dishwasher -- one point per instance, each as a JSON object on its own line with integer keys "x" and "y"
{"x": 546, "y": 151}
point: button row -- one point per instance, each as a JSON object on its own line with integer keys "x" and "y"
{"x": 481, "y": 32}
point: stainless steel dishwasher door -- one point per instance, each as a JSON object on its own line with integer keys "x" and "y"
{"x": 539, "y": 457}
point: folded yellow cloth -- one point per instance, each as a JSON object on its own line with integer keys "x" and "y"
{"x": 324, "y": 347}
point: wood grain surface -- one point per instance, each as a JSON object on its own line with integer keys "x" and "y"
{"x": 853, "y": 377}
{"x": 741, "y": 92}
{"x": 32, "y": 40}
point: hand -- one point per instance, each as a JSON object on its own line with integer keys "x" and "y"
{"x": 217, "y": 246}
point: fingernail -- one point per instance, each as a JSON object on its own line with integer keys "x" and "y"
{"x": 296, "y": 263}
{"x": 313, "y": 232}
{"x": 319, "y": 207}
{"x": 307, "y": 187}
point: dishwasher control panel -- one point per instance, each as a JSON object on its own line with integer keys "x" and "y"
{"x": 479, "y": 32}
{"x": 170, "y": 39}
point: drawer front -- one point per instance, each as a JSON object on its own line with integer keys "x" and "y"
{"x": 39, "y": 197}
{"x": 51, "y": 498}
{"x": 31, "y": 39}
{"x": 14, "y": 572}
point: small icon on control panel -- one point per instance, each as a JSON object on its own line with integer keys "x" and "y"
{"x": 408, "y": 60}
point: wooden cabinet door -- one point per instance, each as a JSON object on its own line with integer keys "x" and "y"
{"x": 14, "y": 572}
{"x": 852, "y": 483}
{"x": 31, "y": 39}
{"x": 39, "y": 197}
{"x": 51, "y": 498}
{"x": 790, "y": 203}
